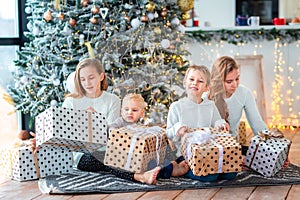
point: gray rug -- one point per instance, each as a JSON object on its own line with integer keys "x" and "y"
{"x": 80, "y": 182}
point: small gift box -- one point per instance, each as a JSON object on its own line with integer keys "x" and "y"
{"x": 21, "y": 164}
{"x": 132, "y": 147}
{"x": 76, "y": 129}
{"x": 267, "y": 152}
{"x": 209, "y": 153}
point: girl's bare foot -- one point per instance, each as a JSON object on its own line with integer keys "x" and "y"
{"x": 180, "y": 169}
{"x": 148, "y": 177}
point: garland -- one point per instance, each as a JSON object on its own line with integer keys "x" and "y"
{"x": 245, "y": 36}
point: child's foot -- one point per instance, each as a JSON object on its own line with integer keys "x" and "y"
{"x": 180, "y": 169}
{"x": 148, "y": 177}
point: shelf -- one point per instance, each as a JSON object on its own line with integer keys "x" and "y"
{"x": 191, "y": 29}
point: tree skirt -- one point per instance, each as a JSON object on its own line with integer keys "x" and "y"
{"x": 85, "y": 182}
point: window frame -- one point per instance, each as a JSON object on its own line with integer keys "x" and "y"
{"x": 19, "y": 41}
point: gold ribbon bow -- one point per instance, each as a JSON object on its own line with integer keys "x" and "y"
{"x": 266, "y": 134}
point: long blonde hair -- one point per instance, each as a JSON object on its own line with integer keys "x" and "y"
{"x": 88, "y": 62}
{"x": 221, "y": 67}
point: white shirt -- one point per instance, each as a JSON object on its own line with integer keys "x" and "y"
{"x": 243, "y": 99}
{"x": 188, "y": 113}
{"x": 107, "y": 104}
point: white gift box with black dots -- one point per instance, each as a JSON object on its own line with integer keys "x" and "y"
{"x": 76, "y": 129}
{"x": 267, "y": 156}
{"x": 21, "y": 164}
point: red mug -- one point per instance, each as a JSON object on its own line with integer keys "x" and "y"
{"x": 279, "y": 21}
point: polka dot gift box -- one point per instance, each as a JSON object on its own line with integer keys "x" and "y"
{"x": 267, "y": 153}
{"x": 132, "y": 147}
{"x": 209, "y": 153}
{"x": 19, "y": 163}
{"x": 76, "y": 129}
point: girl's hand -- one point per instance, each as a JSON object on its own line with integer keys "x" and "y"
{"x": 182, "y": 131}
{"x": 33, "y": 142}
{"x": 286, "y": 163}
{"x": 90, "y": 109}
{"x": 226, "y": 127}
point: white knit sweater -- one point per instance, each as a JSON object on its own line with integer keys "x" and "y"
{"x": 243, "y": 100}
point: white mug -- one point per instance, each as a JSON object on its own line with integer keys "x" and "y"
{"x": 253, "y": 21}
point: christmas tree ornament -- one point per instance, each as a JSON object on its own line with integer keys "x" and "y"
{"x": 163, "y": 13}
{"x": 185, "y": 5}
{"x": 48, "y": 15}
{"x": 150, "y": 16}
{"x": 165, "y": 43}
{"x": 104, "y": 12}
{"x": 156, "y": 15}
{"x": 150, "y": 7}
{"x": 84, "y": 3}
{"x": 168, "y": 23}
{"x": 61, "y": 16}
{"x": 36, "y": 30}
{"x": 94, "y": 20}
{"x": 70, "y": 83}
{"x": 157, "y": 30}
{"x": 175, "y": 21}
{"x": 95, "y": 10}
{"x": 53, "y": 102}
{"x": 127, "y": 18}
{"x": 56, "y": 82}
{"x": 28, "y": 10}
{"x": 72, "y": 21}
{"x": 81, "y": 39}
{"x": 144, "y": 18}
{"x": 185, "y": 16}
{"x": 135, "y": 23}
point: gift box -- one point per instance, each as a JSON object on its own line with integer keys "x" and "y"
{"x": 209, "y": 153}
{"x": 21, "y": 164}
{"x": 242, "y": 133}
{"x": 132, "y": 147}
{"x": 210, "y": 130}
{"x": 267, "y": 154}
{"x": 76, "y": 129}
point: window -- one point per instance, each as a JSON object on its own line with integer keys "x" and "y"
{"x": 12, "y": 23}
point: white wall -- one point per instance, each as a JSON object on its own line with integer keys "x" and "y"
{"x": 221, "y": 13}
{"x": 217, "y": 13}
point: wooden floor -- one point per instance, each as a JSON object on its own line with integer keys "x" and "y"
{"x": 15, "y": 190}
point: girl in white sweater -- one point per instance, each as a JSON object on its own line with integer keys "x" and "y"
{"x": 232, "y": 98}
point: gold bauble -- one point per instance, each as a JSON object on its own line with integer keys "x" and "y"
{"x": 157, "y": 30}
{"x": 185, "y": 16}
{"x": 185, "y": 5}
{"x": 150, "y": 7}
{"x": 48, "y": 15}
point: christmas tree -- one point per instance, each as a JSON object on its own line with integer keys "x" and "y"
{"x": 140, "y": 44}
